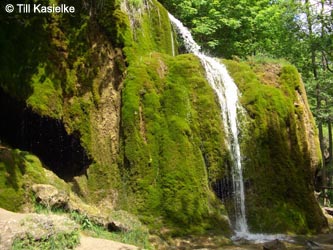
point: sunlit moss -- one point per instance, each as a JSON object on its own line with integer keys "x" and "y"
{"x": 46, "y": 98}
{"x": 277, "y": 170}
{"x": 167, "y": 104}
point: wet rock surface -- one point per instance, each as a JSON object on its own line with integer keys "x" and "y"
{"x": 274, "y": 245}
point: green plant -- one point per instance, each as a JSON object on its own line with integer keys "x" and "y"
{"x": 137, "y": 236}
{"x": 56, "y": 241}
{"x": 84, "y": 221}
{"x": 265, "y": 59}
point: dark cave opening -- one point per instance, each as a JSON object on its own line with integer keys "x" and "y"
{"x": 45, "y": 137}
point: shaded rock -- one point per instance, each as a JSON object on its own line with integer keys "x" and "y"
{"x": 274, "y": 245}
{"x": 49, "y": 196}
{"x": 312, "y": 245}
{"x": 116, "y": 226}
{"x": 122, "y": 221}
{"x": 114, "y": 221}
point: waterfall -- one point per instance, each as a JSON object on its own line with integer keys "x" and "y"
{"x": 227, "y": 93}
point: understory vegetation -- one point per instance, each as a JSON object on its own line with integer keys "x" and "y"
{"x": 56, "y": 241}
{"x": 137, "y": 235}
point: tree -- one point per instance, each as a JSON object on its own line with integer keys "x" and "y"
{"x": 228, "y": 27}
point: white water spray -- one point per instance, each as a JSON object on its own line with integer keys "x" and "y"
{"x": 227, "y": 93}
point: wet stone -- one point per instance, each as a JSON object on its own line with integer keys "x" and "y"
{"x": 274, "y": 245}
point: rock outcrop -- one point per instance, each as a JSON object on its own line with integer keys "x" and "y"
{"x": 279, "y": 170}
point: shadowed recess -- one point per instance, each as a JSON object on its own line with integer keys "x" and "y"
{"x": 46, "y": 137}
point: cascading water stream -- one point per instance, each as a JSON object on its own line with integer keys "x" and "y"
{"x": 227, "y": 93}
{"x": 172, "y": 44}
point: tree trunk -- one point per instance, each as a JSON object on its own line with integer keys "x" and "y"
{"x": 312, "y": 47}
{"x": 330, "y": 150}
{"x": 321, "y": 140}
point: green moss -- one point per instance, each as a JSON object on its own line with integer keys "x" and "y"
{"x": 154, "y": 31}
{"x": 18, "y": 171}
{"x": 290, "y": 80}
{"x": 165, "y": 101}
{"x": 140, "y": 31}
{"x": 46, "y": 98}
{"x": 110, "y": 175}
{"x": 77, "y": 117}
{"x": 115, "y": 23}
{"x": 279, "y": 196}
{"x": 59, "y": 69}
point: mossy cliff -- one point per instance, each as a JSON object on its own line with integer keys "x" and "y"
{"x": 150, "y": 134}
{"x": 172, "y": 136}
{"x": 279, "y": 170}
{"x": 172, "y": 130}
{"x": 148, "y": 122}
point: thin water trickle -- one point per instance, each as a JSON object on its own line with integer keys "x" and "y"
{"x": 228, "y": 96}
{"x": 172, "y": 44}
{"x": 227, "y": 93}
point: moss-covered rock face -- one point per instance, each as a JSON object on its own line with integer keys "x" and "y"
{"x": 172, "y": 130}
{"x": 156, "y": 151}
{"x": 64, "y": 69}
{"x": 279, "y": 169}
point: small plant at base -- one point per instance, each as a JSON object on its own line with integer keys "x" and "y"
{"x": 56, "y": 241}
{"x": 83, "y": 220}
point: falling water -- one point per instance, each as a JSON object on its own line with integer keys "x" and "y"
{"x": 172, "y": 44}
{"x": 227, "y": 92}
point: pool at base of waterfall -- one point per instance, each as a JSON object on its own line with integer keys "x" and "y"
{"x": 259, "y": 238}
